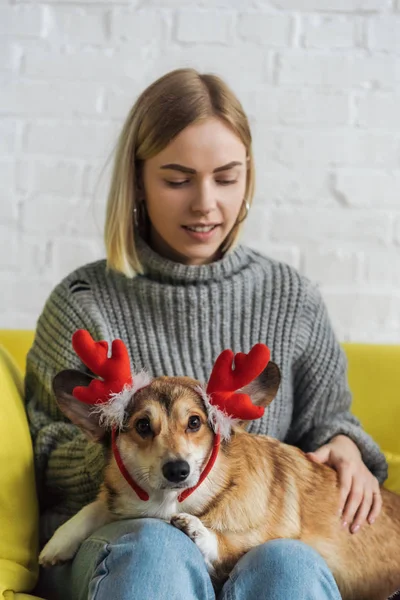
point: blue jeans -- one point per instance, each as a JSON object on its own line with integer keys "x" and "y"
{"x": 148, "y": 559}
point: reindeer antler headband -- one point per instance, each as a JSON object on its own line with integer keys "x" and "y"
{"x": 117, "y": 387}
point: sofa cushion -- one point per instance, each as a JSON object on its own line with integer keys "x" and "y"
{"x": 19, "y": 510}
{"x": 374, "y": 378}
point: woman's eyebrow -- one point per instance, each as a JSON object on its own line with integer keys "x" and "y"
{"x": 183, "y": 169}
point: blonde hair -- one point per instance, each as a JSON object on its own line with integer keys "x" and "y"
{"x": 178, "y": 99}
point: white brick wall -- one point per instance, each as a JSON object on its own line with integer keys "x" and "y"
{"x": 320, "y": 80}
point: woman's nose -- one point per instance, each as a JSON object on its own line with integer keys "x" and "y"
{"x": 204, "y": 201}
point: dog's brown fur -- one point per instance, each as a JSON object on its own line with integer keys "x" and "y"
{"x": 259, "y": 489}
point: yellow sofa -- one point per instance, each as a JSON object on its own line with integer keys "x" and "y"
{"x": 374, "y": 376}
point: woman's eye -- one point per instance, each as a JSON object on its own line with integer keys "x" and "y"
{"x": 226, "y": 181}
{"x": 194, "y": 423}
{"x": 143, "y": 426}
{"x": 177, "y": 184}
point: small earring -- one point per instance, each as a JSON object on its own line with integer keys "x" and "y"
{"x": 139, "y": 213}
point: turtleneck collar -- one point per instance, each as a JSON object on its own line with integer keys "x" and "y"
{"x": 157, "y": 267}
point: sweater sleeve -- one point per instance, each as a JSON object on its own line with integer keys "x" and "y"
{"x": 322, "y": 398}
{"x": 68, "y": 466}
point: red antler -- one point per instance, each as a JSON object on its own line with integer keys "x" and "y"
{"x": 115, "y": 371}
{"x": 224, "y": 381}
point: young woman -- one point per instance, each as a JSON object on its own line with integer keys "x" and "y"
{"x": 178, "y": 289}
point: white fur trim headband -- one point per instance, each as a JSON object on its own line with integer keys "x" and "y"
{"x": 112, "y": 412}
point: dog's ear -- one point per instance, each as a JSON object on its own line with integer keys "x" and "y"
{"x": 263, "y": 389}
{"x": 78, "y": 412}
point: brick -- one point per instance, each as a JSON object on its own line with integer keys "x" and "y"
{"x": 264, "y": 148}
{"x": 382, "y": 268}
{"x": 29, "y": 294}
{"x": 119, "y": 100}
{"x": 106, "y": 3}
{"x": 8, "y": 135}
{"x": 379, "y": 335}
{"x": 71, "y": 253}
{"x": 342, "y": 71}
{"x": 92, "y": 207}
{"x": 257, "y": 224}
{"x": 71, "y": 139}
{"x": 8, "y": 206}
{"x": 34, "y": 255}
{"x": 383, "y": 34}
{"x": 139, "y": 28}
{"x": 397, "y": 231}
{"x": 337, "y": 149}
{"x": 368, "y": 189}
{"x": 96, "y": 179}
{"x": 308, "y": 107}
{"x": 227, "y": 62}
{"x": 262, "y": 28}
{"x": 75, "y": 25}
{"x": 90, "y": 223}
{"x": 10, "y": 55}
{"x": 13, "y": 320}
{"x": 23, "y": 253}
{"x": 289, "y": 255}
{"x": 48, "y": 214}
{"x": 329, "y": 32}
{"x": 300, "y": 226}
{"x": 262, "y": 104}
{"x": 8, "y": 249}
{"x": 203, "y": 26}
{"x": 332, "y": 5}
{"x": 362, "y": 315}
{"x": 91, "y": 220}
{"x": 306, "y": 187}
{"x": 60, "y": 177}
{"x": 380, "y": 111}
{"x": 52, "y": 98}
{"x": 7, "y": 174}
{"x": 21, "y": 20}
{"x": 211, "y": 4}
{"x": 89, "y": 64}
{"x": 332, "y": 266}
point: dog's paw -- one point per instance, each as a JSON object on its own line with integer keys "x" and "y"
{"x": 58, "y": 550}
{"x": 189, "y": 524}
{"x": 204, "y": 539}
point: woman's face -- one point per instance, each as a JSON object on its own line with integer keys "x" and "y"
{"x": 194, "y": 190}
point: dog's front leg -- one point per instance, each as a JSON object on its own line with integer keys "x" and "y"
{"x": 205, "y": 539}
{"x": 67, "y": 539}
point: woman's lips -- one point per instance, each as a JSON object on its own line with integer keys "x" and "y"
{"x": 200, "y": 236}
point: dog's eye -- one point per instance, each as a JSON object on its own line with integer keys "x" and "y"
{"x": 143, "y": 426}
{"x": 194, "y": 423}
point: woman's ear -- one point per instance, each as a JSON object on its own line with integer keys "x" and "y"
{"x": 263, "y": 389}
{"x": 79, "y": 413}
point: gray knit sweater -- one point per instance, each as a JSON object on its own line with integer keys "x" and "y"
{"x": 175, "y": 320}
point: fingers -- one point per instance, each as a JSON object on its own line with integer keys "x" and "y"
{"x": 376, "y": 503}
{"x": 345, "y": 482}
{"x": 363, "y": 500}
{"x": 362, "y": 512}
{"x": 321, "y": 455}
{"x": 353, "y": 502}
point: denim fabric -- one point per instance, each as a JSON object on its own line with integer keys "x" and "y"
{"x": 148, "y": 559}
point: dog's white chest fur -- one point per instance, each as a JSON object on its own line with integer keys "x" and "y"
{"x": 161, "y": 505}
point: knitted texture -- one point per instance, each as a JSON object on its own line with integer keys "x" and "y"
{"x": 175, "y": 320}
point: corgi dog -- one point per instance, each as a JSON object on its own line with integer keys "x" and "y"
{"x": 229, "y": 491}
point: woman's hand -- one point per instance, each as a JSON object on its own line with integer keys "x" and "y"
{"x": 360, "y": 496}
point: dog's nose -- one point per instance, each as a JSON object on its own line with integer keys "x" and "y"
{"x": 176, "y": 470}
